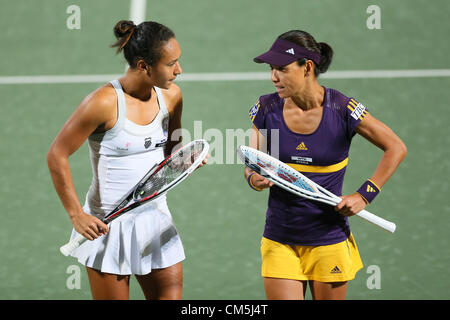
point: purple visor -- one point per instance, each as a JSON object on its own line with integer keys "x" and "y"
{"x": 284, "y": 52}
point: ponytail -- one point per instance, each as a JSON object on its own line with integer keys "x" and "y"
{"x": 326, "y": 55}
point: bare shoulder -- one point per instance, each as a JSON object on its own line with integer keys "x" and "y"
{"x": 173, "y": 98}
{"x": 100, "y": 105}
{"x": 101, "y": 99}
{"x": 96, "y": 112}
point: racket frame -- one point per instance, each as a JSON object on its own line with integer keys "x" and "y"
{"x": 321, "y": 194}
{"x": 124, "y": 204}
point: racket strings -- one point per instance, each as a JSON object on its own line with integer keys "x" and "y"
{"x": 172, "y": 169}
{"x": 286, "y": 173}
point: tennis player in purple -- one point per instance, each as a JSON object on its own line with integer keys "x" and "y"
{"x": 310, "y": 128}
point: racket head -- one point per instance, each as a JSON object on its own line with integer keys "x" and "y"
{"x": 274, "y": 169}
{"x": 281, "y": 174}
{"x": 172, "y": 170}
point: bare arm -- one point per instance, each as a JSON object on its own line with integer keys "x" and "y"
{"x": 88, "y": 117}
{"x": 394, "y": 149}
{"x": 384, "y": 138}
{"x": 174, "y": 102}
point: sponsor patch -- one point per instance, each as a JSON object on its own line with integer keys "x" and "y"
{"x": 358, "y": 111}
{"x": 254, "y": 110}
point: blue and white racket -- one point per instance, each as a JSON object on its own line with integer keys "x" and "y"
{"x": 293, "y": 181}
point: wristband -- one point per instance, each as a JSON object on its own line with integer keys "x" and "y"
{"x": 249, "y": 180}
{"x": 369, "y": 190}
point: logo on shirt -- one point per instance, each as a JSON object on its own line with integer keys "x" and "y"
{"x": 127, "y": 145}
{"x": 291, "y": 51}
{"x": 254, "y": 110}
{"x": 161, "y": 143}
{"x": 147, "y": 142}
{"x": 358, "y": 112}
{"x": 301, "y": 160}
{"x": 302, "y": 146}
{"x": 357, "y": 109}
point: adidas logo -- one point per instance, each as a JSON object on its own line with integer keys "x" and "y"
{"x": 301, "y": 146}
{"x": 336, "y": 270}
{"x": 370, "y": 189}
{"x": 291, "y": 51}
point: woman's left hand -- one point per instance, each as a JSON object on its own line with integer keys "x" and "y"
{"x": 351, "y": 204}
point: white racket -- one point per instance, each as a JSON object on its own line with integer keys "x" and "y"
{"x": 161, "y": 178}
{"x": 293, "y": 181}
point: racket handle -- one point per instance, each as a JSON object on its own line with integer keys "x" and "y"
{"x": 378, "y": 221}
{"x": 69, "y": 247}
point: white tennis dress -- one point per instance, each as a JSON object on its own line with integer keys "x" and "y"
{"x": 145, "y": 238}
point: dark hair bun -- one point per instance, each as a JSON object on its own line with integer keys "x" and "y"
{"x": 305, "y": 40}
{"x": 123, "y": 28}
{"x": 326, "y": 55}
{"x": 141, "y": 42}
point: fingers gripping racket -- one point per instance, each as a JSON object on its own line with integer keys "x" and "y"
{"x": 293, "y": 181}
{"x": 161, "y": 178}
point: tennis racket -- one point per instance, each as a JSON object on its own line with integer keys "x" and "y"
{"x": 161, "y": 178}
{"x": 293, "y": 181}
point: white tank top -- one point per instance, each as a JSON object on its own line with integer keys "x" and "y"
{"x": 121, "y": 156}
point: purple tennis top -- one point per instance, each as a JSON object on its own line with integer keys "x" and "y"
{"x": 322, "y": 156}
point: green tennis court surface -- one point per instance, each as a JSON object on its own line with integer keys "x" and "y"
{"x": 219, "y": 218}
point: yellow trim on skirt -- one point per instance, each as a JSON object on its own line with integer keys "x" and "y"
{"x": 329, "y": 263}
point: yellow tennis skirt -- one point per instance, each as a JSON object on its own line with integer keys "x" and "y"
{"x": 329, "y": 263}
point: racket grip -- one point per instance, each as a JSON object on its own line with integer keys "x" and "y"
{"x": 69, "y": 247}
{"x": 378, "y": 221}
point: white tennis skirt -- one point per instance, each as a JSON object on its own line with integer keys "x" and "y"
{"x": 142, "y": 239}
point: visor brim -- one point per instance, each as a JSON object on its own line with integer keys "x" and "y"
{"x": 275, "y": 58}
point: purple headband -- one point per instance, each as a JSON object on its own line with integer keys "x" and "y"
{"x": 284, "y": 52}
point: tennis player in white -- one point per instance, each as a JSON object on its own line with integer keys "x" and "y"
{"x": 128, "y": 124}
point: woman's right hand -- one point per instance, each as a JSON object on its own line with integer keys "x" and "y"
{"x": 260, "y": 182}
{"x": 89, "y": 226}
